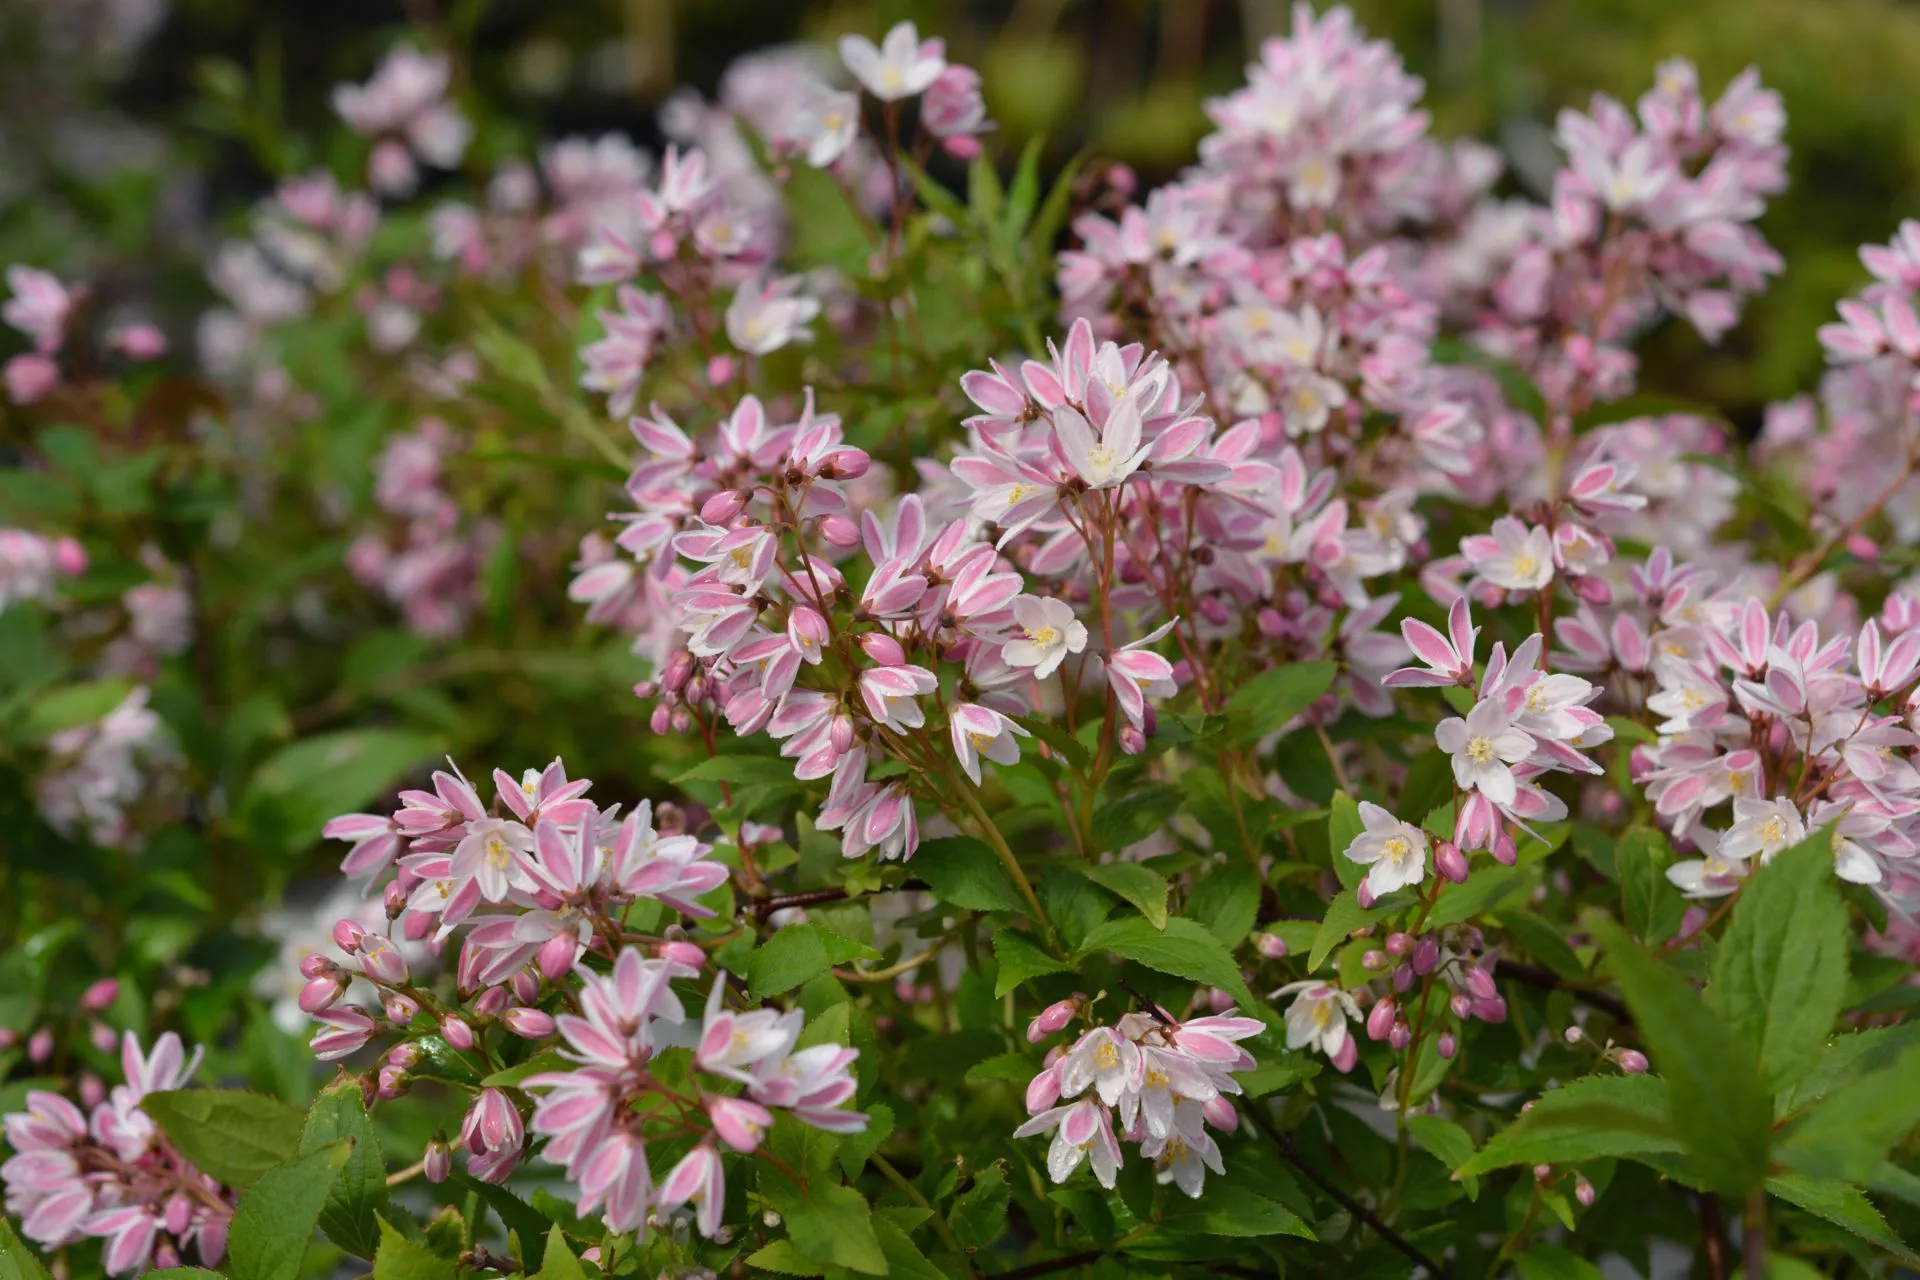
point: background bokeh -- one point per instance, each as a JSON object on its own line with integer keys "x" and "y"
{"x": 164, "y": 119}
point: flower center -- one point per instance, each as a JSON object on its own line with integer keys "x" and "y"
{"x": 1480, "y": 750}
{"x": 1105, "y": 1056}
{"x": 498, "y": 855}
{"x": 1396, "y": 850}
{"x": 1043, "y": 635}
{"x": 1774, "y": 832}
{"x": 1524, "y": 565}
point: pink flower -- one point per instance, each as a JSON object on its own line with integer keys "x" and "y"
{"x": 698, "y": 1180}
{"x": 39, "y": 308}
{"x": 901, "y": 66}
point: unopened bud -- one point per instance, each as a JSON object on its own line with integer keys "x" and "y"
{"x": 1043, "y": 1091}
{"x": 381, "y": 961}
{"x": 1542, "y": 1172}
{"x": 1403, "y": 977}
{"x": 1447, "y": 1044}
{"x": 1503, "y": 849}
{"x": 100, "y": 995}
{"x": 1583, "y": 1190}
{"x": 401, "y": 1009}
{"x": 1220, "y": 1112}
{"x": 1364, "y": 896}
{"x": 492, "y": 1001}
{"x": 526, "y": 987}
{"x": 93, "y": 1090}
{"x": 1399, "y": 1036}
{"x": 1380, "y": 1018}
{"x": 1426, "y": 956}
{"x": 457, "y": 1033}
{"x": 1271, "y": 945}
{"x": 1574, "y": 1035}
{"x": 347, "y": 935}
{"x": 1461, "y": 1004}
{"x": 1375, "y": 959}
{"x": 1450, "y": 862}
{"x": 556, "y": 956}
{"x": 1399, "y": 943}
{"x": 439, "y": 1161}
{"x": 839, "y": 531}
{"x": 722, "y": 507}
{"x": 316, "y": 966}
{"x": 846, "y": 463}
{"x": 528, "y": 1024}
{"x": 40, "y": 1046}
{"x": 1632, "y": 1061}
{"x": 320, "y": 993}
{"x": 1051, "y": 1019}
{"x": 883, "y": 649}
{"x": 684, "y": 953}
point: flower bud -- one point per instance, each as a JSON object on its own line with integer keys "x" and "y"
{"x": 347, "y": 935}
{"x": 839, "y": 531}
{"x": 1479, "y": 982}
{"x": 393, "y": 1082}
{"x": 1403, "y": 977}
{"x": 40, "y": 1046}
{"x": 1574, "y": 1035}
{"x": 720, "y": 371}
{"x": 320, "y": 993}
{"x": 883, "y": 649}
{"x": 93, "y": 1090}
{"x": 69, "y": 557}
{"x": 1594, "y": 591}
{"x": 401, "y": 1009}
{"x": 1426, "y": 955}
{"x": 1583, "y": 1190}
{"x": 528, "y": 1024}
{"x": 556, "y": 956}
{"x": 103, "y": 1037}
{"x": 438, "y": 1162}
{"x": 678, "y": 671}
{"x": 723, "y": 506}
{"x": 381, "y": 961}
{"x": 1043, "y": 1091}
{"x": 686, "y": 954}
{"x": 457, "y": 1032}
{"x": 100, "y": 995}
{"x": 1447, "y": 1044}
{"x": 1220, "y": 1112}
{"x": 1542, "y": 1172}
{"x": 492, "y": 1124}
{"x": 1271, "y": 945}
{"x": 1494, "y": 1010}
{"x": 316, "y": 966}
{"x": 404, "y": 1056}
{"x": 393, "y": 900}
{"x": 660, "y": 720}
{"x": 1461, "y": 1004}
{"x": 1399, "y": 943}
{"x": 846, "y": 463}
{"x": 1399, "y": 1036}
{"x": 1374, "y": 958}
{"x": 1450, "y": 862}
{"x": 1380, "y": 1018}
{"x": 492, "y": 1002}
{"x": 178, "y": 1213}
{"x": 1051, "y": 1019}
{"x": 1632, "y": 1061}
{"x": 1363, "y": 895}
{"x": 1132, "y": 741}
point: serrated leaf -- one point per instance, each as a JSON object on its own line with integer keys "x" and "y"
{"x": 1343, "y": 828}
{"x": 17, "y": 1262}
{"x": 979, "y": 1217}
{"x": 964, "y": 872}
{"x": 231, "y": 1134}
{"x": 1021, "y": 958}
{"x": 1125, "y": 820}
{"x": 857, "y": 1148}
{"x": 827, "y": 1222}
{"x": 299, "y": 787}
{"x": 1449, "y": 1144}
{"x": 1844, "y": 1206}
{"x": 275, "y": 1218}
{"x": 1718, "y": 1101}
{"x": 744, "y": 769}
{"x": 1551, "y": 1262}
{"x": 1344, "y": 915}
{"x": 359, "y": 1194}
{"x": 1591, "y": 1117}
{"x": 1272, "y": 698}
{"x": 539, "y": 1062}
{"x": 1183, "y": 949}
{"x": 1228, "y": 1209}
{"x": 1485, "y": 890}
{"x": 1142, "y": 886}
{"x": 782, "y": 1258}
{"x": 797, "y": 954}
{"x": 1649, "y": 904}
{"x": 1544, "y": 941}
{"x": 399, "y": 1258}
{"x": 1847, "y": 1058}
{"x": 560, "y": 1264}
{"x": 1780, "y": 972}
{"x": 516, "y": 1215}
{"x": 1848, "y": 1134}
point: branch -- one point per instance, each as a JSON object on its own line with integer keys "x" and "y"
{"x": 764, "y": 907}
{"x": 1293, "y": 1157}
{"x": 1532, "y": 975}
{"x": 1052, "y": 1265}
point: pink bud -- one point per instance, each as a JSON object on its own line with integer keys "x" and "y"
{"x": 662, "y": 245}
{"x": 839, "y": 531}
{"x": 1461, "y": 1004}
{"x": 320, "y": 993}
{"x": 1447, "y": 1044}
{"x": 317, "y": 966}
{"x": 1402, "y": 977}
{"x": 1214, "y": 610}
{"x": 1583, "y": 1190}
{"x": 1043, "y": 1091}
{"x": 1632, "y": 1061}
{"x": 556, "y": 956}
{"x": 393, "y": 1083}
{"x": 846, "y": 463}
{"x": 1541, "y": 1172}
{"x": 1503, "y": 850}
{"x": 1479, "y": 982}
{"x": 93, "y": 1090}
{"x": 528, "y": 1024}
{"x": 1399, "y": 943}
{"x": 883, "y": 649}
{"x": 1364, "y": 896}
{"x": 526, "y": 987}
{"x": 1380, "y": 1018}
{"x": 457, "y": 1033}
{"x": 1861, "y": 545}
{"x": 1574, "y": 1035}
{"x": 416, "y": 927}
{"x": 404, "y": 1056}
{"x": 401, "y": 1010}
{"x": 178, "y": 1213}
{"x": 1220, "y": 1112}
{"x": 1450, "y": 862}
{"x": 1399, "y": 1036}
{"x": 739, "y": 1123}
{"x": 393, "y": 900}
{"x": 684, "y": 953}
{"x": 720, "y": 371}
{"x": 69, "y": 557}
{"x": 103, "y": 1037}
{"x": 1132, "y": 741}
{"x": 1593, "y": 590}
{"x": 347, "y": 935}
{"x": 961, "y": 146}
{"x": 1271, "y": 945}
{"x": 1051, "y": 1019}
{"x": 29, "y": 377}
{"x": 722, "y": 507}
{"x": 1494, "y": 1010}
{"x": 1426, "y": 956}
{"x": 381, "y": 961}
{"x": 40, "y": 1046}
{"x": 1348, "y": 1055}
{"x": 1375, "y": 958}
{"x": 660, "y": 721}
{"x": 439, "y": 1161}
{"x": 678, "y": 671}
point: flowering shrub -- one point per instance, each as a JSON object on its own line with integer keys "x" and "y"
{"x": 1137, "y": 732}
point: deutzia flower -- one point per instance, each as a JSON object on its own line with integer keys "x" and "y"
{"x": 767, "y": 315}
{"x": 1048, "y": 633}
{"x": 1484, "y": 746}
{"x": 1395, "y": 851}
{"x": 982, "y": 731}
{"x": 1514, "y": 556}
{"x": 1317, "y": 1018}
{"x": 1105, "y": 459}
{"x": 1107, "y": 1061}
{"x": 1763, "y": 827}
{"x": 901, "y": 66}
{"x": 1079, "y": 1129}
{"x": 1711, "y": 876}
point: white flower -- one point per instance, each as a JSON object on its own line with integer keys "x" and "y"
{"x": 1516, "y": 557}
{"x": 1105, "y": 459}
{"x": 767, "y": 315}
{"x": 829, "y": 125}
{"x": 1048, "y": 633}
{"x": 900, "y": 67}
{"x": 1763, "y": 827}
{"x": 1711, "y": 876}
{"x": 1079, "y": 1129}
{"x": 1318, "y": 1016}
{"x": 982, "y": 731}
{"x": 1309, "y": 401}
{"x": 1105, "y": 1060}
{"x": 494, "y": 852}
{"x": 1484, "y": 747}
{"x": 1396, "y": 851}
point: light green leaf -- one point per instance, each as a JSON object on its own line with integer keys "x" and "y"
{"x": 1591, "y": 1117}
{"x": 964, "y": 872}
{"x": 17, "y": 1262}
{"x": 560, "y": 1264}
{"x": 1847, "y": 1058}
{"x": 234, "y": 1135}
{"x": 744, "y": 769}
{"x": 299, "y": 787}
{"x": 274, "y": 1220}
{"x": 1144, "y": 887}
{"x": 782, "y": 1258}
{"x": 797, "y": 954}
{"x": 857, "y": 1148}
{"x": 1226, "y": 899}
{"x": 1449, "y": 1144}
{"x": 979, "y": 1217}
{"x": 1719, "y": 1104}
{"x": 1272, "y": 698}
{"x": 1780, "y": 971}
{"x": 1848, "y": 1133}
{"x": 1844, "y": 1206}
{"x": 360, "y": 1192}
{"x": 1649, "y": 903}
{"x": 1343, "y": 828}
{"x": 70, "y": 706}
{"x": 1485, "y": 890}
{"x": 1021, "y": 958}
{"x": 402, "y": 1259}
{"x": 904, "y": 1259}
{"x": 1551, "y": 1262}
{"x": 1344, "y": 915}
{"x": 538, "y": 1063}
{"x": 1183, "y": 949}
{"x": 826, "y": 1222}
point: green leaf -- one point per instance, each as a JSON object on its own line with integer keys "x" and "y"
{"x": 1449, "y": 1144}
{"x": 402, "y": 1259}
{"x": 539, "y": 1062}
{"x": 512, "y": 358}
{"x": 1229, "y": 1209}
{"x": 1844, "y": 1206}
{"x": 73, "y": 705}
{"x": 1544, "y": 941}
{"x": 526, "y": 1223}
{"x": 1551, "y": 1262}
{"x": 17, "y": 1262}
{"x": 964, "y": 872}
{"x": 797, "y": 954}
{"x": 1848, "y": 1133}
{"x": 1226, "y": 899}
{"x": 359, "y": 1194}
{"x": 1343, "y": 828}
{"x": 231, "y": 1134}
{"x": 1274, "y": 697}
{"x": 1129, "y": 818}
{"x": 1063, "y": 743}
{"x": 1649, "y": 903}
{"x": 1719, "y": 1104}
{"x": 1591, "y": 1117}
{"x": 826, "y": 1222}
{"x": 1849, "y": 1057}
{"x": 744, "y": 769}
{"x": 857, "y": 1148}
{"x": 299, "y": 787}
{"x": 560, "y": 1263}
{"x": 1780, "y": 971}
{"x": 1484, "y": 890}
{"x": 1144, "y": 887}
{"x": 1428, "y": 785}
{"x": 783, "y": 1259}
{"x": 1021, "y": 958}
{"x": 1183, "y": 949}
{"x": 979, "y": 1217}
{"x": 1344, "y": 915}
{"x": 275, "y": 1218}
{"x": 904, "y": 1259}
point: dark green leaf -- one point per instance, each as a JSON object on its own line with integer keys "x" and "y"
{"x": 1844, "y": 1206}
{"x": 1551, "y": 1262}
{"x": 275, "y": 1217}
{"x": 1649, "y": 903}
{"x": 360, "y": 1192}
{"x": 1183, "y": 949}
{"x": 1129, "y": 818}
{"x": 402, "y": 1259}
{"x": 764, "y": 770}
{"x": 1020, "y": 958}
{"x": 1228, "y": 1209}
{"x": 826, "y": 1222}
{"x": 1848, "y": 1133}
{"x": 1343, "y": 828}
{"x": 1272, "y": 698}
{"x": 1144, "y": 887}
{"x": 966, "y": 873}
{"x": 980, "y": 1216}
{"x": 1450, "y": 1144}
{"x": 233, "y": 1135}
{"x": 1590, "y": 1117}
{"x": 799, "y": 953}
{"x": 1226, "y": 899}
{"x": 528, "y": 1224}
{"x": 298, "y": 788}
